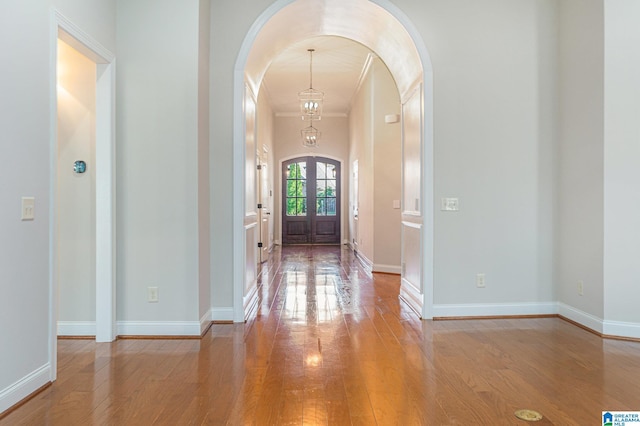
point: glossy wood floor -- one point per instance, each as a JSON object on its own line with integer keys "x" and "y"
{"x": 332, "y": 345}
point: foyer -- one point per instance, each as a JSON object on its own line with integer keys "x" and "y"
{"x": 332, "y": 344}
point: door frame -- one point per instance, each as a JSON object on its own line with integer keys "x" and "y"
{"x": 106, "y": 331}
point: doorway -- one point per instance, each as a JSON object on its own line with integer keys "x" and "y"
{"x": 407, "y": 58}
{"x": 311, "y": 201}
{"x": 102, "y": 211}
{"x": 76, "y": 192}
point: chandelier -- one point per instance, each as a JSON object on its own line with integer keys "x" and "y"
{"x": 311, "y": 99}
{"x": 310, "y": 135}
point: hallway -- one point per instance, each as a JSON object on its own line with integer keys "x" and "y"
{"x": 331, "y": 344}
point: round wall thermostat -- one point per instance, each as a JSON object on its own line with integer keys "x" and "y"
{"x": 79, "y": 166}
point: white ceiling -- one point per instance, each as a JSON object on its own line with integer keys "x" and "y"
{"x": 338, "y": 64}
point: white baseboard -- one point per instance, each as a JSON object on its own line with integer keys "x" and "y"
{"x": 388, "y": 269}
{"x": 364, "y": 260}
{"x": 221, "y": 314}
{"x": 494, "y": 309}
{"x": 205, "y": 321}
{"x": 76, "y": 328}
{"x": 621, "y": 329}
{"x": 158, "y": 328}
{"x": 605, "y": 327}
{"x": 250, "y": 301}
{"x": 411, "y": 296}
{"x": 581, "y": 317}
{"x": 24, "y": 387}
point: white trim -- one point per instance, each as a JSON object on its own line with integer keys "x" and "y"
{"x": 622, "y": 329}
{"x": 159, "y": 328}
{"x": 250, "y": 301}
{"x": 366, "y": 68}
{"x": 205, "y": 321}
{"x": 581, "y": 317}
{"x": 388, "y": 269}
{"x": 16, "y": 392}
{"x": 494, "y": 309}
{"x": 80, "y": 40}
{"x": 76, "y": 328}
{"x": 364, "y": 260}
{"x": 222, "y": 314}
{"x": 592, "y": 322}
{"x": 410, "y": 295}
{"x": 105, "y": 204}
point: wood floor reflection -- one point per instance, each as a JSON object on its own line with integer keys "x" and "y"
{"x": 332, "y": 345}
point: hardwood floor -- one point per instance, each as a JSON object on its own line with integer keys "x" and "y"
{"x": 332, "y": 345}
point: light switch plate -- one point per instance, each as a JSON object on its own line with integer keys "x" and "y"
{"x": 449, "y": 204}
{"x": 152, "y": 294}
{"x": 396, "y": 204}
{"x": 28, "y": 208}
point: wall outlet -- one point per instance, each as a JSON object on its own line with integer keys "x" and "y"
{"x": 152, "y": 294}
{"x": 580, "y": 288}
{"x": 480, "y": 281}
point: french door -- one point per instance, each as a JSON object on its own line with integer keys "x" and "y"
{"x": 311, "y": 201}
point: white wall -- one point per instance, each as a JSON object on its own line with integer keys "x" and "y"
{"x": 621, "y": 162}
{"x": 387, "y": 171}
{"x": 25, "y": 171}
{"x": 333, "y": 144}
{"x": 26, "y": 156}
{"x": 230, "y": 22}
{"x": 376, "y": 146}
{"x": 581, "y": 132}
{"x": 361, "y": 149}
{"x": 75, "y": 201}
{"x": 157, "y": 157}
{"x": 493, "y": 67}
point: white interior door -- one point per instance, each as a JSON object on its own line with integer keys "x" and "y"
{"x": 264, "y": 211}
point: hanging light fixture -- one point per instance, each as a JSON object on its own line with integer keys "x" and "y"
{"x": 311, "y": 99}
{"x": 310, "y": 136}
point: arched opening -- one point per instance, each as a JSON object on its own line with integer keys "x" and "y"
{"x": 384, "y": 29}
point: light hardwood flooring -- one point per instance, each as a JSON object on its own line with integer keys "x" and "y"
{"x": 332, "y": 345}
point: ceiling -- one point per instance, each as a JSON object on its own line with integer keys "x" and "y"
{"x": 338, "y": 65}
